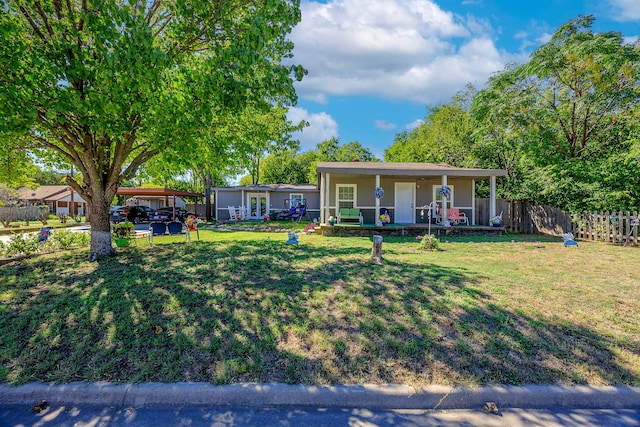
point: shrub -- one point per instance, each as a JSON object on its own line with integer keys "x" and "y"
{"x": 65, "y": 239}
{"x": 429, "y": 241}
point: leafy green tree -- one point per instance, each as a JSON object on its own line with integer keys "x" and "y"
{"x": 8, "y": 196}
{"x": 16, "y": 165}
{"x": 286, "y": 166}
{"x": 560, "y": 121}
{"x": 109, "y": 85}
{"x": 332, "y": 151}
{"x": 446, "y": 136}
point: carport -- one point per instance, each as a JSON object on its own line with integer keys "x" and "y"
{"x": 168, "y": 194}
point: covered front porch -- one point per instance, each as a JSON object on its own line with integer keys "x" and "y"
{"x": 414, "y": 195}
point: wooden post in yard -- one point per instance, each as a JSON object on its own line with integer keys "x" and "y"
{"x": 376, "y": 251}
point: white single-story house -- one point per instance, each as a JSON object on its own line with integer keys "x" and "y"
{"x": 409, "y": 190}
{"x": 61, "y": 199}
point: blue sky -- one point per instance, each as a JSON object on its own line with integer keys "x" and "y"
{"x": 376, "y": 66}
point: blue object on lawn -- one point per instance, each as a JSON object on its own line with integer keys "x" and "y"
{"x": 293, "y": 238}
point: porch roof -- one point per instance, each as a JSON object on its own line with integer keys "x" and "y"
{"x": 405, "y": 169}
{"x": 270, "y": 187}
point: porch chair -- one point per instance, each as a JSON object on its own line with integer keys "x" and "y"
{"x": 156, "y": 229}
{"x": 299, "y": 213}
{"x": 232, "y": 214}
{"x": 174, "y": 227}
{"x": 287, "y": 214}
{"x": 454, "y": 214}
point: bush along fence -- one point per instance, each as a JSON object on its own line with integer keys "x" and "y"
{"x": 520, "y": 216}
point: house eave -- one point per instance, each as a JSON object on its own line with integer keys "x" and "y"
{"x": 405, "y": 169}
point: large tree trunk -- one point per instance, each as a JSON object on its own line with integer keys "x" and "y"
{"x": 101, "y": 245}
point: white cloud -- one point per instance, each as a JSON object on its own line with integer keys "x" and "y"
{"x": 409, "y": 50}
{"x": 414, "y": 124}
{"x": 321, "y": 127}
{"x": 384, "y": 125}
{"x": 625, "y": 10}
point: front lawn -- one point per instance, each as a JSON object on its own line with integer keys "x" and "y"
{"x": 246, "y": 307}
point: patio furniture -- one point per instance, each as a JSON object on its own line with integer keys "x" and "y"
{"x": 299, "y": 214}
{"x": 454, "y": 215}
{"x": 232, "y": 214}
{"x": 174, "y": 227}
{"x": 350, "y": 214}
{"x": 287, "y": 214}
{"x": 156, "y": 229}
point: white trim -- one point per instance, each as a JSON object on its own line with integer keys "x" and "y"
{"x": 259, "y": 195}
{"x": 412, "y": 209}
{"x": 433, "y": 195}
{"x": 355, "y": 195}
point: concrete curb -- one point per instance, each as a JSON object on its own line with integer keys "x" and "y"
{"x": 357, "y": 396}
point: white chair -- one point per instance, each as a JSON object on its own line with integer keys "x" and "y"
{"x": 232, "y": 214}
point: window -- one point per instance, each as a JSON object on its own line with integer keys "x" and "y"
{"x": 437, "y": 195}
{"x": 296, "y": 199}
{"x": 346, "y": 196}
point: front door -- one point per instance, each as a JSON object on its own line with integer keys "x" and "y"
{"x": 405, "y": 202}
{"x": 257, "y": 205}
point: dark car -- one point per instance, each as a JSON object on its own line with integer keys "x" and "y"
{"x": 166, "y": 214}
{"x": 133, "y": 214}
{"x": 139, "y": 213}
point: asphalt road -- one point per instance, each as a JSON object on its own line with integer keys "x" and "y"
{"x": 99, "y": 416}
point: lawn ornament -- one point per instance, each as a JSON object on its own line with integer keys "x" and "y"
{"x": 293, "y": 238}
{"x": 568, "y": 239}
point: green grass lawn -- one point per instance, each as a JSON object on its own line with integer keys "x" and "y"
{"x": 246, "y": 307}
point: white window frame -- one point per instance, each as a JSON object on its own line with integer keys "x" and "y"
{"x": 298, "y": 196}
{"x": 355, "y": 194}
{"x": 450, "y": 203}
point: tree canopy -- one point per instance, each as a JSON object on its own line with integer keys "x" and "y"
{"x": 564, "y": 125}
{"x": 110, "y": 84}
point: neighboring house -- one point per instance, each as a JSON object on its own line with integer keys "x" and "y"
{"x": 409, "y": 189}
{"x": 61, "y": 199}
{"x": 262, "y": 199}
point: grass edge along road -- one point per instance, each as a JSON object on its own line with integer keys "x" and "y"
{"x": 245, "y": 307}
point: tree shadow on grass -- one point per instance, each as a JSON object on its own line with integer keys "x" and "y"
{"x": 256, "y": 311}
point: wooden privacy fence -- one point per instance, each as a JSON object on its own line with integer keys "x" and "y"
{"x": 521, "y": 216}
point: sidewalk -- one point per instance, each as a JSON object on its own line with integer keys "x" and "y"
{"x": 357, "y": 396}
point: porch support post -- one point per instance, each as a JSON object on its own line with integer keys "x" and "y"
{"x": 444, "y": 201}
{"x": 377, "y": 221}
{"x": 323, "y": 202}
{"x": 327, "y": 189}
{"x": 492, "y": 197}
{"x": 473, "y": 202}
{"x": 242, "y": 212}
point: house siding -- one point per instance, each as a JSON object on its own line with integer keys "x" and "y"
{"x": 275, "y": 198}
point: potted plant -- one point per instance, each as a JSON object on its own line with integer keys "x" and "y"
{"x": 123, "y": 233}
